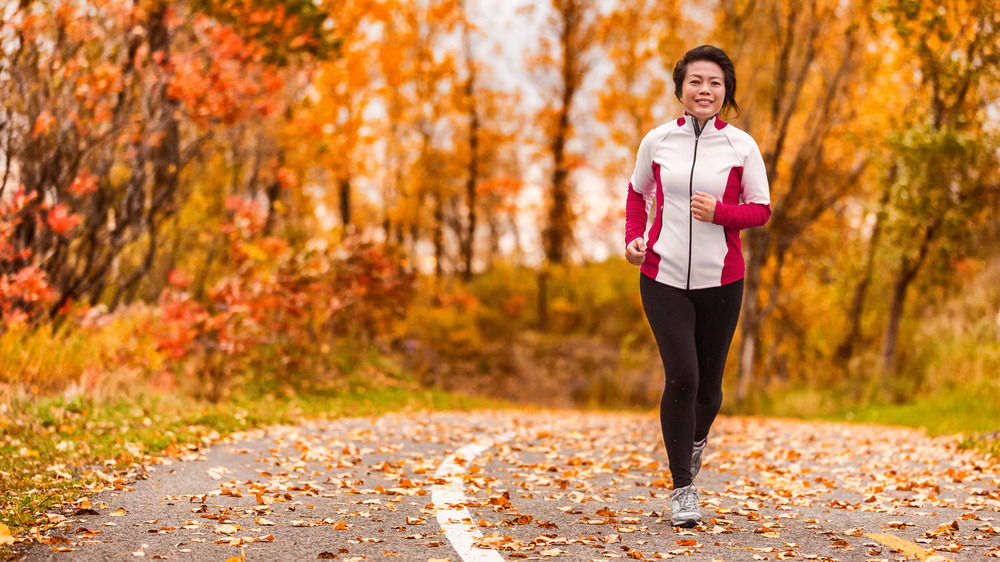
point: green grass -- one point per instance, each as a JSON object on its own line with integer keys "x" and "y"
{"x": 972, "y": 411}
{"x": 83, "y": 434}
{"x": 951, "y": 412}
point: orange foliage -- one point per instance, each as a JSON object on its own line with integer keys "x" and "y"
{"x": 61, "y": 220}
{"x": 226, "y": 82}
{"x": 84, "y": 184}
{"x": 276, "y": 299}
{"x": 25, "y": 292}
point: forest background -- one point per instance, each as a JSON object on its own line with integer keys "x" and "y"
{"x": 259, "y": 199}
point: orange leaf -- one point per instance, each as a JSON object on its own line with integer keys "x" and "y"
{"x": 61, "y": 220}
{"x": 43, "y": 122}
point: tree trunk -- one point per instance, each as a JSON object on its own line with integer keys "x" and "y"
{"x": 344, "y": 188}
{"x": 273, "y": 194}
{"x": 166, "y": 155}
{"x": 907, "y": 273}
{"x": 472, "y": 178}
{"x": 543, "y": 299}
{"x": 438, "y": 234}
{"x": 468, "y": 243}
{"x": 165, "y": 159}
{"x": 556, "y": 232}
{"x": 846, "y": 348}
{"x": 896, "y": 306}
{"x": 773, "y": 297}
{"x": 757, "y": 246}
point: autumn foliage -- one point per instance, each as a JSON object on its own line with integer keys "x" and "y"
{"x": 258, "y": 188}
{"x": 278, "y": 302}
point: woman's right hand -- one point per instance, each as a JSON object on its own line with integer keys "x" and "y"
{"x": 635, "y": 251}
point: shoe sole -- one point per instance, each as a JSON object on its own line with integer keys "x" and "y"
{"x": 687, "y": 522}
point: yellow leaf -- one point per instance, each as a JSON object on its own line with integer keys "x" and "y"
{"x": 120, "y": 512}
{"x": 227, "y": 529}
{"x": 5, "y": 536}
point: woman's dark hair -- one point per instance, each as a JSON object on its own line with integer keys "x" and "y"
{"x": 714, "y": 54}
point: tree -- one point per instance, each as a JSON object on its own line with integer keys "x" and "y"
{"x": 487, "y": 126}
{"x": 346, "y": 88}
{"x": 642, "y": 40}
{"x": 564, "y": 61}
{"x": 105, "y": 108}
{"x": 808, "y": 66}
{"x": 946, "y": 157}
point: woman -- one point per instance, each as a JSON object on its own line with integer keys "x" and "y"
{"x": 709, "y": 182}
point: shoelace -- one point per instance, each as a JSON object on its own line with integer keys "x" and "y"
{"x": 688, "y": 499}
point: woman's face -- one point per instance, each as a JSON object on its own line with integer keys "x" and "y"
{"x": 704, "y": 89}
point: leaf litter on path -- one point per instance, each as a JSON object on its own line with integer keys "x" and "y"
{"x": 574, "y": 485}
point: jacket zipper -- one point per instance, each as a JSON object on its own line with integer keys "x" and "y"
{"x": 697, "y": 136}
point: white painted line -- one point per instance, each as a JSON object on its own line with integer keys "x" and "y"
{"x": 455, "y": 520}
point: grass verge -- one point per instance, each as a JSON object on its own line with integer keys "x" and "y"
{"x": 53, "y": 450}
{"x": 971, "y": 411}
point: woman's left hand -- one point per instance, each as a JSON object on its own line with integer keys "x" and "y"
{"x": 703, "y": 206}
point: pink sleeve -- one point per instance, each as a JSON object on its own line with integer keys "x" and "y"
{"x": 635, "y": 215}
{"x": 756, "y": 207}
{"x": 746, "y": 215}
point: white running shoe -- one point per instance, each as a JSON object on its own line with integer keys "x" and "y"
{"x": 684, "y": 507}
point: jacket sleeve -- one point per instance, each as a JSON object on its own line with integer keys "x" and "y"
{"x": 755, "y": 210}
{"x": 641, "y": 190}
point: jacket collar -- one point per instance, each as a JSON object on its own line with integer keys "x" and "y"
{"x": 712, "y": 124}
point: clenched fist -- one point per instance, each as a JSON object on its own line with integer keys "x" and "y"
{"x": 703, "y": 206}
{"x": 635, "y": 251}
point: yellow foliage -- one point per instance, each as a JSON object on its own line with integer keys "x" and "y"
{"x": 92, "y": 355}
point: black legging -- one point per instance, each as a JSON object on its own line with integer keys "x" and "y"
{"x": 693, "y": 330}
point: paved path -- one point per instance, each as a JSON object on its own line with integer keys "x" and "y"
{"x": 493, "y": 486}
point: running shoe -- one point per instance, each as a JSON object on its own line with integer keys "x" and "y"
{"x": 699, "y": 448}
{"x": 684, "y": 507}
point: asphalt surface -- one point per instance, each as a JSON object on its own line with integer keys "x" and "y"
{"x": 565, "y": 485}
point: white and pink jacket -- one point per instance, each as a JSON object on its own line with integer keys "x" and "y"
{"x": 674, "y": 161}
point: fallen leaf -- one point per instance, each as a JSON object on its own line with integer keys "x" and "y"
{"x": 227, "y": 529}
